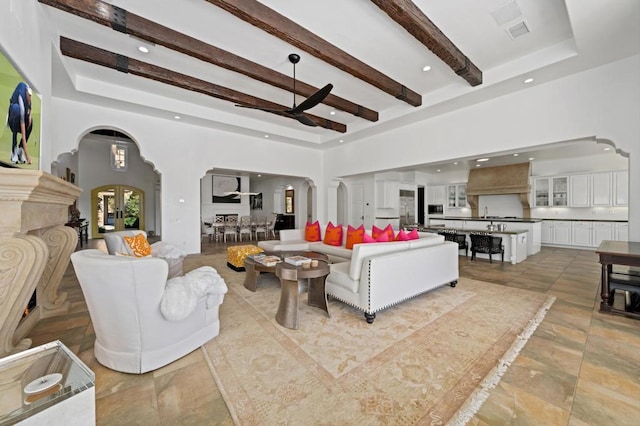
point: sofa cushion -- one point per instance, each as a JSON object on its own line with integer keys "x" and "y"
{"x": 362, "y": 251}
{"x": 333, "y": 235}
{"x": 354, "y": 236}
{"x": 312, "y": 232}
{"x": 340, "y": 277}
{"x": 425, "y": 241}
{"x": 336, "y": 251}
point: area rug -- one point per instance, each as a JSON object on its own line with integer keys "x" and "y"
{"x": 429, "y": 360}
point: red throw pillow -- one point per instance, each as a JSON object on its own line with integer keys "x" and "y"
{"x": 354, "y": 236}
{"x": 413, "y": 235}
{"x": 312, "y": 232}
{"x": 375, "y": 231}
{"x": 402, "y": 236}
{"x": 333, "y": 235}
{"x": 366, "y": 238}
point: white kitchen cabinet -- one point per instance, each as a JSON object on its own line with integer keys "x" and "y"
{"x": 621, "y": 231}
{"x": 387, "y": 194}
{"x": 457, "y": 195}
{"x": 550, "y": 191}
{"x": 602, "y": 231}
{"x": 621, "y": 188}
{"x": 601, "y": 189}
{"x": 581, "y": 233}
{"x": 556, "y": 232}
{"x": 579, "y": 191}
{"x": 437, "y": 194}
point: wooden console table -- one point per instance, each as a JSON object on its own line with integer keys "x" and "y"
{"x": 616, "y": 253}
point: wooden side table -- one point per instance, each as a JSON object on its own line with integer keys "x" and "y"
{"x": 287, "y": 315}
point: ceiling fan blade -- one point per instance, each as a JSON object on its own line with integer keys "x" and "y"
{"x": 312, "y": 100}
{"x": 302, "y": 118}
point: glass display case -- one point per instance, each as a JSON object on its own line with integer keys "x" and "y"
{"x": 47, "y": 384}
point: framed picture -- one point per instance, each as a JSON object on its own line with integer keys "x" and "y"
{"x": 255, "y": 201}
{"x": 13, "y": 88}
{"x": 225, "y": 189}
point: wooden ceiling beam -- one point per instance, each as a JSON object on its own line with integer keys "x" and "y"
{"x": 267, "y": 19}
{"x": 105, "y": 58}
{"x": 129, "y": 23}
{"x": 409, "y": 16}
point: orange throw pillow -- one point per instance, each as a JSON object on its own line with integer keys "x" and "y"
{"x": 333, "y": 235}
{"x": 139, "y": 245}
{"x": 312, "y": 232}
{"x": 354, "y": 236}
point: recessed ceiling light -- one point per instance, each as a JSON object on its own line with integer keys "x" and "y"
{"x": 177, "y": 117}
{"x": 266, "y": 136}
{"x": 456, "y": 163}
{"x": 482, "y": 160}
{"x": 332, "y": 113}
{"x": 259, "y": 175}
{"x": 438, "y": 170}
{"x": 515, "y": 155}
{"x": 143, "y": 49}
{"x": 607, "y": 149}
{"x": 341, "y": 140}
{"x": 426, "y": 68}
{"x": 478, "y": 165}
{"x": 528, "y": 80}
{"x": 531, "y": 158}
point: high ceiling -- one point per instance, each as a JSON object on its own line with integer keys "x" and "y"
{"x": 564, "y": 37}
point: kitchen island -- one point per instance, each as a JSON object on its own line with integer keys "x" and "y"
{"x": 533, "y": 227}
{"x": 514, "y": 241}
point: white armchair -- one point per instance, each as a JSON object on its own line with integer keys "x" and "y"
{"x": 172, "y": 255}
{"x": 124, "y": 296}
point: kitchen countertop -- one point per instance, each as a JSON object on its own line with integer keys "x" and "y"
{"x": 468, "y": 231}
{"x": 525, "y": 220}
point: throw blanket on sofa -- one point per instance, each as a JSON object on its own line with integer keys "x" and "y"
{"x": 182, "y": 293}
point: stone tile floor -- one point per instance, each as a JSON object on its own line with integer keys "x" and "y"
{"x": 579, "y": 368}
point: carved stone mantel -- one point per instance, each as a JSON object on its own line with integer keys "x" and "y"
{"x": 35, "y": 247}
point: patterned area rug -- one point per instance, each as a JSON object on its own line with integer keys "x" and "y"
{"x": 429, "y": 360}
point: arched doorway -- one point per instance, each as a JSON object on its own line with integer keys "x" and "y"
{"x": 116, "y": 208}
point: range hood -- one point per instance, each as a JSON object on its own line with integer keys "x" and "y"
{"x": 500, "y": 180}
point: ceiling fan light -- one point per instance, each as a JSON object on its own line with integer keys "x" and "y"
{"x": 426, "y": 68}
{"x": 143, "y": 49}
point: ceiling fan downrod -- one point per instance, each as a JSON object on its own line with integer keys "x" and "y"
{"x": 294, "y": 58}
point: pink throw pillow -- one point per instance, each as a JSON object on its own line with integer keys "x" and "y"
{"x": 383, "y": 238}
{"x": 366, "y": 238}
{"x": 413, "y": 235}
{"x": 402, "y": 236}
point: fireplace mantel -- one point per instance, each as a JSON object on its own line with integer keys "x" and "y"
{"x": 35, "y": 247}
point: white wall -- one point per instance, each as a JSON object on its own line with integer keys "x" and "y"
{"x": 602, "y": 103}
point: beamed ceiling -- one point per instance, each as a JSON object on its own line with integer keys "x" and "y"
{"x": 207, "y": 56}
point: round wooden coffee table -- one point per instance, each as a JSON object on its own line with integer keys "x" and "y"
{"x": 287, "y": 315}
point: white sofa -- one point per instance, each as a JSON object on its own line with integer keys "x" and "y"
{"x": 124, "y": 297}
{"x": 380, "y": 275}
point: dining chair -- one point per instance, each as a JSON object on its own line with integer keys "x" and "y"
{"x": 245, "y": 227}
{"x": 231, "y": 227}
{"x": 261, "y": 228}
{"x": 206, "y": 230}
{"x": 460, "y": 239}
{"x": 218, "y": 226}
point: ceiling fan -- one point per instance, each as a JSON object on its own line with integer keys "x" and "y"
{"x": 297, "y": 111}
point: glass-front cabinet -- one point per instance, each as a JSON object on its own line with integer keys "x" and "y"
{"x": 457, "y": 195}
{"x": 551, "y": 191}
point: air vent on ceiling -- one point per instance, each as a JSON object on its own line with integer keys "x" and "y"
{"x": 506, "y": 13}
{"x": 518, "y": 30}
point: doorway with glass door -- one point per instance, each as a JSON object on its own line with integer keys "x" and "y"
{"x": 116, "y": 208}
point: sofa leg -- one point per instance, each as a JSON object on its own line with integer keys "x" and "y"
{"x": 453, "y": 283}
{"x": 369, "y": 317}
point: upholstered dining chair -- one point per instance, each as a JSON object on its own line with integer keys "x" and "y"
{"x": 207, "y": 230}
{"x": 244, "y": 227}
{"x": 231, "y": 227}
{"x": 486, "y": 243}
{"x": 218, "y": 226}
{"x": 133, "y": 309}
{"x": 460, "y": 239}
{"x": 261, "y": 228}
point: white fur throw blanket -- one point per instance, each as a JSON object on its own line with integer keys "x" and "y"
{"x": 166, "y": 250}
{"x": 182, "y": 293}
